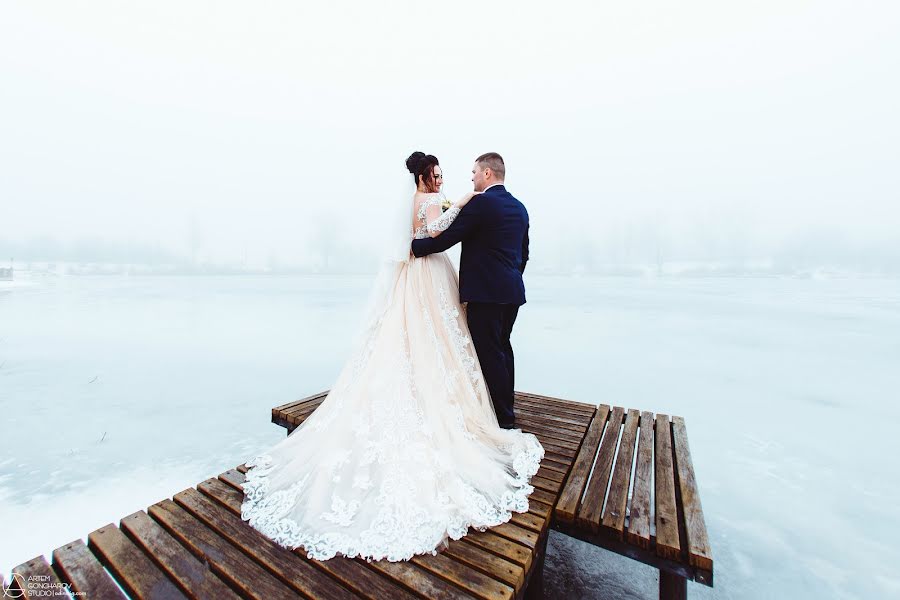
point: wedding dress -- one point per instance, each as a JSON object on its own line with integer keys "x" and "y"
{"x": 405, "y": 451}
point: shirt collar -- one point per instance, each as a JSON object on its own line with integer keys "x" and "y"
{"x": 490, "y": 186}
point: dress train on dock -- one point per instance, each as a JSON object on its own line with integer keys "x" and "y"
{"x": 405, "y": 451}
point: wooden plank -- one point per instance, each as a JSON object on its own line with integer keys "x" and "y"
{"x": 290, "y": 568}
{"x": 473, "y": 582}
{"x": 551, "y": 437}
{"x": 488, "y": 563}
{"x": 299, "y": 415}
{"x": 638, "y": 532}
{"x": 550, "y": 409}
{"x": 517, "y": 534}
{"x": 349, "y": 573}
{"x": 586, "y": 407}
{"x": 547, "y": 485}
{"x": 416, "y": 579}
{"x": 699, "y": 551}
{"x": 541, "y": 509}
{"x": 570, "y": 496}
{"x": 35, "y": 579}
{"x": 226, "y": 561}
{"x": 502, "y": 547}
{"x": 617, "y": 501}
{"x": 573, "y": 421}
{"x": 591, "y": 509}
{"x": 548, "y": 438}
{"x": 83, "y": 572}
{"x": 667, "y": 544}
{"x": 551, "y": 475}
{"x": 133, "y": 570}
{"x": 529, "y": 521}
{"x": 179, "y": 565}
{"x": 543, "y": 496}
{"x": 360, "y": 579}
{"x": 526, "y": 420}
{"x": 556, "y": 465}
{"x": 303, "y": 409}
{"x": 285, "y": 407}
{"x": 554, "y": 412}
{"x": 538, "y": 428}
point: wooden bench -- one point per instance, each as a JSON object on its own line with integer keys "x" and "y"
{"x": 195, "y": 545}
{"x": 632, "y": 490}
{"x": 629, "y": 482}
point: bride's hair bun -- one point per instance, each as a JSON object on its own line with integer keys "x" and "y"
{"x": 422, "y": 166}
{"x": 412, "y": 163}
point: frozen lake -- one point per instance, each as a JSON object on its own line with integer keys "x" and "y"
{"x": 119, "y": 391}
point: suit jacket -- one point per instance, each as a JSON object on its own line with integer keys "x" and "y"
{"x": 493, "y": 229}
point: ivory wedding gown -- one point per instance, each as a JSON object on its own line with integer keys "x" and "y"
{"x": 405, "y": 451}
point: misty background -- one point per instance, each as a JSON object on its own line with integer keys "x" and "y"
{"x": 756, "y": 142}
{"x": 218, "y": 136}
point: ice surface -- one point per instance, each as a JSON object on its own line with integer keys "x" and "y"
{"x": 119, "y": 391}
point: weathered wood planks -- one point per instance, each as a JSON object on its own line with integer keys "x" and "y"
{"x": 632, "y": 490}
{"x": 621, "y": 479}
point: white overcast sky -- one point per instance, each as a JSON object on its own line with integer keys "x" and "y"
{"x": 267, "y": 124}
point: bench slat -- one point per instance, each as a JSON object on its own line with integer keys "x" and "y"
{"x": 38, "y": 568}
{"x": 588, "y": 409}
{"x": 576, "y": 431}
{"x": 517, "y": 534}
{"x": 667, "y": 544}
{"x": 639, "y": 516}
{"x": 616, "y": 503}
{"x": 473, "y": 582}
{"x": 290, "y": 405}
{"x": 595, "y": 493}
{"x": 284, "y": 564}
{"x": 569, "y": 499}
{"x": 180, "y": 566}
{"x": 133, "y": 569}
{"x": 417, "y": 579}
{"x": 488, "y": 563}
{"x": 285, "y": 408}
{"x": 303, "y": 409}
{"x": 555, "y": 433}
{"x": 552, "y": 409}
{"x": 83, "y": 572}
{"x": 575, "y": 421}
{"x": 225, "y": 560}
{"x": 351, "y": 574}
{"x": 501, "y": 546}
{"x": 699, "y": 552}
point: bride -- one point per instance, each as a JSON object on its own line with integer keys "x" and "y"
{"x": 405, "y": 451}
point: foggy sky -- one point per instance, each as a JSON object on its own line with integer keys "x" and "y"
{"x": 263, "y": 132}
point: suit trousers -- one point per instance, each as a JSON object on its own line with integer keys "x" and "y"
{"x": 490, "y": 326}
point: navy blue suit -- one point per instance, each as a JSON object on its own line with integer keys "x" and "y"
{"x": 493, "y": 229}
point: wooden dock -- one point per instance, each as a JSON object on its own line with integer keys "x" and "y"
{"x": 195, "y": 545}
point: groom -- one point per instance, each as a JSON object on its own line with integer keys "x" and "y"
{"x": 493, "y": 227}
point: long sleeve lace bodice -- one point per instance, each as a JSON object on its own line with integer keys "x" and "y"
{"x": 429, "y": 218}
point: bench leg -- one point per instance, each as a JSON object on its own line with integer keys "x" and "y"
{"x": 535, "y": 589}
{"x": 671, "y": 586}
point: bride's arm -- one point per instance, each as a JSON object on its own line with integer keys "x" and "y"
{"x": 438, "y": 222}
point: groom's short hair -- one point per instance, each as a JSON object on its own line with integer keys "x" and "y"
{"x": 494, "y": 162}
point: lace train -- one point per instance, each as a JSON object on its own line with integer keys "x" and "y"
{"x": 405, "y": 451}
{"x": 262, "y": 509}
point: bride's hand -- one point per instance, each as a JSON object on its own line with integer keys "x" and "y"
{"x": 465, "y": 199}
